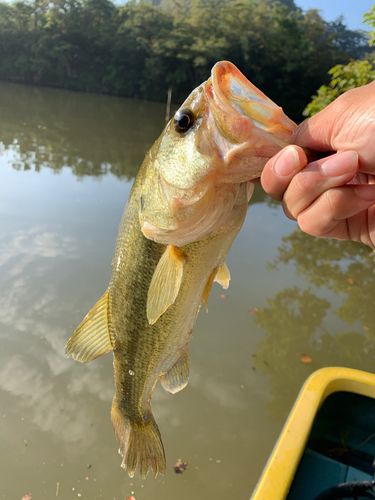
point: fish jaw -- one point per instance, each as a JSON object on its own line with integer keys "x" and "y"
{"x": 251, "y": 128}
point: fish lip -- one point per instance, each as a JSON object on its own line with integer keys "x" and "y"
{"x": 241, "y": 108}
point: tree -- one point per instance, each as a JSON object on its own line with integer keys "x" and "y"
{"x": 345, "y": 77}
{"x": 140, "y": 50}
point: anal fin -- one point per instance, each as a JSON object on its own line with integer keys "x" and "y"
{"x": 165, "y": 283}
{"x": 91, "y": 339}
{"x": 178, "y": 376}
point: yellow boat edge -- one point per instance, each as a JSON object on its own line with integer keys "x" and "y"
{"x": 281, "y": 467}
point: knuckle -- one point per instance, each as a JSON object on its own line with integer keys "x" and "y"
{"x": 306, "y": 225}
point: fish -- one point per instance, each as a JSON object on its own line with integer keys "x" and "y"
{"x": 186, "y": 206}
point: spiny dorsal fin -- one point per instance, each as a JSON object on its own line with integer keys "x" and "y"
{"x": 165, "y": 283}
{"x": 223, "y": 275}
{"x": 91, "y": 339}
{"x": 207, "y": 288}
{"x": 178, "y": 376}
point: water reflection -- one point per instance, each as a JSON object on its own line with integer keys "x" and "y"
{"x": 346, "y": 268}
{"x": 37, "y": 396}
{"x": 93, "y": 135}
{"x": 32, "y": 358}
{"x": 294, "y": 317}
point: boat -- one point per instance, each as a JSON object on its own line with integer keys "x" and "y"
{"x": 326, "y": 449}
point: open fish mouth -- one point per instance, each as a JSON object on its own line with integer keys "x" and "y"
{"x": 240, "y": 97}
{"x": 247, "y": 117}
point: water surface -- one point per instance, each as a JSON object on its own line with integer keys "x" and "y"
{"x": 67, "y": 161}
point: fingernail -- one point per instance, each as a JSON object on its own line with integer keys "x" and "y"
{"x": 340, "y": 164}
{"x": 366, "y": 192}
{"x": 286, "y": 162}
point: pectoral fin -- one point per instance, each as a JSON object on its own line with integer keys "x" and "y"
{"x": 207, "y": 288}
{"x": 178, "y": 376}
{"x": 223, "y": 276}
{"x": 92, "y": 338}
{"x": 249, "y": 190}
{"x": 165, "y": 283}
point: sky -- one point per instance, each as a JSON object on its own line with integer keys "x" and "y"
{"x": 330, "y": 10}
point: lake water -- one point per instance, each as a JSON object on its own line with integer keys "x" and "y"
{"x": 67, "y": 161}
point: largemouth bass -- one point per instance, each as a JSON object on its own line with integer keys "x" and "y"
{"x": 185, "y": 208}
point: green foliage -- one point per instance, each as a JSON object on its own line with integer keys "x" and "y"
{"x": 369, "y": 18}
{"x": 345, "y": 77}
{"x": 139, "y": 50}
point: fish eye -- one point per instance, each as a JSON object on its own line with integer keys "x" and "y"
{"x": 183, "y": 120}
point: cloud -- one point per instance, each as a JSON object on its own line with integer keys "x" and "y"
{"x": 43, "y": 405}
{"x": 23, "y": 246}
{"x": 47, "y": 386}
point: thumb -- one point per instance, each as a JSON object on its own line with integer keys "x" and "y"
{"x": 315, "y": 133}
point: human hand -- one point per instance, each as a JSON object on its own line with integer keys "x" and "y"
{"x": 333, "y": 197}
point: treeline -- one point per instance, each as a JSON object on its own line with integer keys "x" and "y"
{"x": 140, "y": 50}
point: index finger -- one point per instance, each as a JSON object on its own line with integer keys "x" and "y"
{"x": 280, "y": 170}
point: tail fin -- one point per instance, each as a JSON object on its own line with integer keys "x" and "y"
{"x": 140, "y": 445}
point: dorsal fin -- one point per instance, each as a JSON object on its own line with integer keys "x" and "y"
{"x": 165, "y": 283}
{"x": 91, "y": 339}
{"x": 223, "y": 275}
{"x": 178, "y": 376}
